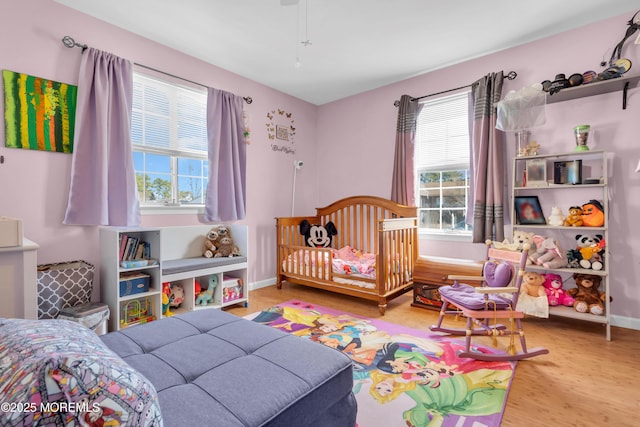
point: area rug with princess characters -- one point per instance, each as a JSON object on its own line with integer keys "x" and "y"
{"x": 402, "y": 376}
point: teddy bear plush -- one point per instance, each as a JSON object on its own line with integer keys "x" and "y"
{"x": 209, "y": 246}
{"x": 549, "y": 253}
{"x": 523, "y": 238}
{"x": 532, "y": 284}
{"x": 574, "y": 219}
{"x": 588, "y": 298}
{"x": 555, "y": 293}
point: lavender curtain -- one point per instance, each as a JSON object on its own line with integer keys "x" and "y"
{"x": 403, "y": 182}
{"x": 487, "y": 162}
{"x": 226, "y": 190}
{"x": 103, "y": 184}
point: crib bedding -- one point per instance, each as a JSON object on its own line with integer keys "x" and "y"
{"x": 345, "y": 261}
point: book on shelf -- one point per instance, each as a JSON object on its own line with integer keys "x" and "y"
{"x": 123, "y": 245}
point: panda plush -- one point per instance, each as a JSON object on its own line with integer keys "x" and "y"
{"x": 318, "y": 236}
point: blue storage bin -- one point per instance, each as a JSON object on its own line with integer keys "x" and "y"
{"x": 133, "y": 283}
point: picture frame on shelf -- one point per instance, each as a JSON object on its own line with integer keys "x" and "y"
{"x": 536, "y": 170}
{"x": 528, "y": 210}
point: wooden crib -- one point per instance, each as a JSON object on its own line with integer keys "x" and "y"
{"x": 368, "y": 224}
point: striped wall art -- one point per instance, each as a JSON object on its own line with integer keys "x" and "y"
{"x": 39, "y": 114}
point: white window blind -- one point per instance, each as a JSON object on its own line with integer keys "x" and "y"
{"x": 442, "y": 135}
{"x": 168, "y": 118}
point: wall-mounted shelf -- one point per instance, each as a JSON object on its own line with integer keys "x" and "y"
{"x": 597, "y": 88}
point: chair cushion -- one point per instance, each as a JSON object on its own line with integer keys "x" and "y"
{"x": 463, "y": 295}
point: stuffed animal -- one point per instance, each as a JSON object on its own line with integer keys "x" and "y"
{"x": 556, "y": 218}
{"x": 523, "y": 238}
{"x": 197, "y": 288}
{"x": 574, "y": 219}
{"x": 532, "y": 284}
{"x": 549, "y": 253}
{"x": 588, "y": 298}
{"x": 166, "y": 299}
{"x": 226, "y": 248}
{"x": 318, "y": 236}
{"x": 591, "y": 249}
{"x": 220, "y": 236}
{"x": 555, "y": 293}
{"x": 206, "y": 296}
{"x": 209, "y": 246}
{"x": 176, "y": 297}
{"x": 592, "y": 214}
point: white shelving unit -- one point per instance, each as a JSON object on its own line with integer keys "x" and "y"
{"x": 168, "y": 246}
{"x": 594, "y": 166}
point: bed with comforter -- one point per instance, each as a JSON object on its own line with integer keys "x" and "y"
{"x": 203, "y": 368}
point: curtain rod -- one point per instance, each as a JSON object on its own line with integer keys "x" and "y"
{"x": 71, "y": 43}
{"x": 511, "y": 75}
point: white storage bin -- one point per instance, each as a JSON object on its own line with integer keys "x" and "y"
{"x": 93, "y": 315}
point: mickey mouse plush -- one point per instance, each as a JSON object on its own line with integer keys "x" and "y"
{"x": 318, "y": 236}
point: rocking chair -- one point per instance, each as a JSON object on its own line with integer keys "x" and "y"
{"x": 495, "y": 299}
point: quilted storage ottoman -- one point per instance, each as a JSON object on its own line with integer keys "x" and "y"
{"x": 210, "y": 367}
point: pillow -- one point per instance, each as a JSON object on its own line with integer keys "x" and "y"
{"x": 58, "y": 372}
{"x": 497, "y": 275}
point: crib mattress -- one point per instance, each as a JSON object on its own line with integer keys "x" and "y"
{"x": 210, "y": 367}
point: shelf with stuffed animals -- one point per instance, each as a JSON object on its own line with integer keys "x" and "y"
{"x": 563, "y": 214}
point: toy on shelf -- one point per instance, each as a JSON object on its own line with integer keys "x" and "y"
{"x": 136, "y": 312}
{"x": 176, "y": 297}
{"x": 232, "y": 291}
{"x": 224, "y": 243}
{"x": 556, "y": 295}
{"x": 592, "y": 214}
{"x": 166, "y": 299}
{"x": 532, "y": 284}
{"x": 588, "y": 298}
{"x": 590, "y": 250}
{"x": 574, "y": 219}
{"x": 549, "y": 253}
{"x": 533, "y": 298}
{"x": 556, "y": 218}
{"x": 209, "y": 245}
{"x": 206, "y": 296}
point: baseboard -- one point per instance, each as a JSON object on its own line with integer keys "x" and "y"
{"x": 262, "y": 284}
{"x": 625, "y": 322}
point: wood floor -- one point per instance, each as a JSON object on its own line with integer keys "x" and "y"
{"x": 585, "y": 380}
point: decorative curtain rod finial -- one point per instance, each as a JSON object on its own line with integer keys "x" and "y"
{"x": 71, "y": 43}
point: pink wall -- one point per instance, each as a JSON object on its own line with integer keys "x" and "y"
{"x": 360, "y": 130}
{"x": 35, "y": 184}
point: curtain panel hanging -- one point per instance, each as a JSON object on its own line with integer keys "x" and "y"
{"x": 488, "y": 163}
{"x": 403, "y": 180}
{"x": 226, "y": 189}
{"x": 103, "y": 184}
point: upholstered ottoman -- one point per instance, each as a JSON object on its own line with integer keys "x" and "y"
{"x": 212, "y": 368}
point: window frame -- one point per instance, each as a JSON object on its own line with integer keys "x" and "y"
{"x": 419, "y": 169}
{"x": 173, "y": 153}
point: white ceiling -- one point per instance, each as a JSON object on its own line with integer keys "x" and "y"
{"x": 357, "y": 45}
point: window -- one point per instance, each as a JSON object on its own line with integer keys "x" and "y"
{"x": 442, "y": 164}
{"x": 169, "y": 135}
